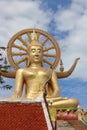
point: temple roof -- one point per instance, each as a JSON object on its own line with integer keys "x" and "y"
{"x": 24, "y": 115}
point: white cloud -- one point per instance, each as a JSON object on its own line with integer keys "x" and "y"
{"x": 16, "y": 15}
{"x": 20, "y": 14}
{"x": 23, "y": 14}
{"x": 74, "y": 21}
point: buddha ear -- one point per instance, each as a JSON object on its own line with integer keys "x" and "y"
{"x": 28, "y": 61}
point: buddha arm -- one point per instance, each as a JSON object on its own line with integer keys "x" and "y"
{"x": 67, "y": 73}
{"x": 19, "y": 83}
{"x": 8, "y": 74}
{"x": 54, "y": 87}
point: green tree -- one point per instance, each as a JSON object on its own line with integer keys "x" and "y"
{"x": 3, "y": 67}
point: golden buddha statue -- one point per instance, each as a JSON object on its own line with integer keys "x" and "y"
{"x": 35, "y": 76}
{"x": 39, "y": 80}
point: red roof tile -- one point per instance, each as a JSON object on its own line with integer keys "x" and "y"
{"x": 22, "y": 116}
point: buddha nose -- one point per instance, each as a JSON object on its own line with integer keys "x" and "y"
{"x": 36, "y": 54}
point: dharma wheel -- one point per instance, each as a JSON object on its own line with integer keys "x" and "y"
{"x": 17, "y": 49}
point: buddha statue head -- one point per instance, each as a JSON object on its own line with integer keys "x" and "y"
{"x": 35, "y": 50}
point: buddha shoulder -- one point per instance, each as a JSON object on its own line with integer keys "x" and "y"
{"x": 41, "y": 70}
{"x": 19, "y": 71}
{"x": 48, "y": 71}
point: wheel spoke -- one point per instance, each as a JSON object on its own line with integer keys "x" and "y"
{"x": 24, "y": 43}
{"x": 46, "y": 61}
{"x": 19, "y": 53}
{"x": 28, "y": 34}
{"x": 19, "y": 47}
{"x": 44, "y": 41}
{"x": 20, "y": 61}
{"x": 38, "y": 35}
{"x": 50, "y": 55}
{"x": 48, "y": 48}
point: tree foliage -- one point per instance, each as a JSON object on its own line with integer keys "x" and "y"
{"x": 3, "y": 67}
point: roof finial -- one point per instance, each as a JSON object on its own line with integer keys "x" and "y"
{"x": 34, "y": 35}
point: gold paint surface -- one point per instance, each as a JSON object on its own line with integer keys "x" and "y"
{"x": 40, "y": 80}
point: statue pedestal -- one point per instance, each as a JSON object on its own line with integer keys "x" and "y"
{"x": 24, "y": 115}
{"x": 65, "y": 115}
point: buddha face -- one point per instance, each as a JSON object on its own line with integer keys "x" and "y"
{"x": 35, "y": 54}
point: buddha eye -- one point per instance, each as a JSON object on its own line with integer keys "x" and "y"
{"x": 39, "y": 51}
{"x": 33, "y": 50}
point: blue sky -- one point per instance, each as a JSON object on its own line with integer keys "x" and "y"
{"x": 66, "y": 21}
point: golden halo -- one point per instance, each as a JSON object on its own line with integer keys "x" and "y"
{"x": 18, "y": 44}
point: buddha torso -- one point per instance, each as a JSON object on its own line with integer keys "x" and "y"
{"x": 36, "y": 80}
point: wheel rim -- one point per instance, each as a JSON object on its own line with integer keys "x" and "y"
{"x": 18, "y": 44}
